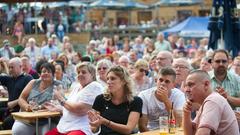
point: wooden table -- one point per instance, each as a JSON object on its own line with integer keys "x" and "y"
{"x": 156, "y": 132}
{"x": 33, "y": 117}
{"x": 5, "y": 132}
{"x": 3, "y": 99}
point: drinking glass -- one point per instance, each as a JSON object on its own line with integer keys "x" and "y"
{"x": 57, "y": 88}
{"x": 34, "y": 104}
{"x": 163, "y": 125}
{"x": 179, "y": 116}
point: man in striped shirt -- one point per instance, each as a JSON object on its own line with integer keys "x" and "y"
{"x": 224, "y": 82}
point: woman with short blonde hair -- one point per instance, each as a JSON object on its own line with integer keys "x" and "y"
{"x": 140, "y": 76}
{"x": 74, "y": 120}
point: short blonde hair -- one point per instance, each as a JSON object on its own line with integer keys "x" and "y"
{"x": 90, "y": 67}
{"x": 141, "y": 63}
{"x": 63, "y": 55}
{"x": 237, "y": 58}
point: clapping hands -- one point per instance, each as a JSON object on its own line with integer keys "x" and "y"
{"x": 222, "y": 92}
{"x": 52, "y": 107}
{"x": 95, "y": 118}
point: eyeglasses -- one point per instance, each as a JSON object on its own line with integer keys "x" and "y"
{"x": 159, "y": 58}
{"x": 180, "y": 67}
{"x": 220, "y": 61}
{"x": 103, "y": 68}
{"x": 236, "y": 65}
{"x": 165, "y": 81}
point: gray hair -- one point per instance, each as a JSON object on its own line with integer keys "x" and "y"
{"x": 32, "y": 40}
{"x": 108, "y": 63}
{"x": 16, "y": 60}
{"x": 90, "y": 67}
{"x": 124, "y": 58}
{"x": 160, "y": 34}
{"x": 183, "y": 60}
{"x": 167, "y": 54}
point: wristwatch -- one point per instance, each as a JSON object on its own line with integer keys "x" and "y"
{"x": 62, "y": 102}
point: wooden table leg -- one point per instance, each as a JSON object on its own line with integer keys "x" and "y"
{"x": 49, "y": 123}
{"x": 37, "y": 126}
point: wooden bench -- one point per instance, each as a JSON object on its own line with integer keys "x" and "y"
{"x": 5, "y": 132}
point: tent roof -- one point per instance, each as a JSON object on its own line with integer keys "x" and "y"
{"x": 191, "y": 27}
{"x": 178, "y": 2}
{"x": 21, "y": 1}
{"x": 107, "y": 4}
{"x": 118, "y": 4}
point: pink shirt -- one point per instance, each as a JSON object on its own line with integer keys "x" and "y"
{"x": 217, "y": 115}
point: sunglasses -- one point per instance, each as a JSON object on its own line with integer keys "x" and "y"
{"x": 143, "y": 70}
{"x": 103, "y": 68}
{"x": 221, "y": 61}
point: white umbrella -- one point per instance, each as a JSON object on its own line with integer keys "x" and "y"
{"x": 177, "y": 2}
{"x": 3, "y": 5}
{"x": 76, "y": 4}
{"x": 130, "y": 4}
{"x": 37, "y": 5}
{"x": 56, "y": 4}
{"x": 238, "y": 6}
{"x": 107, "y": 4}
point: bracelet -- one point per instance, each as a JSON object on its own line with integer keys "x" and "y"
{"x": 62, "y": 102}
{"x": 109, "y": 122}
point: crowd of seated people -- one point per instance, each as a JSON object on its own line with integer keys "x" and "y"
{"x": 119, "y": 91}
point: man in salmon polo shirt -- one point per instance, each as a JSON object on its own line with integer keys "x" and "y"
{"x": 215, "y": 115}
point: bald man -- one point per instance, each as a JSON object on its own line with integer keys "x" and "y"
{"x": 15, "y": 83}
{"x": 215, "y": 115}
{"x": 124, "y": 61}
{"x": 164, "y": 59}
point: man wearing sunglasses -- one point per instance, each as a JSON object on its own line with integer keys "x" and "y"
{"x": 224, "y": 82}
{"x": 159, "y": 100}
